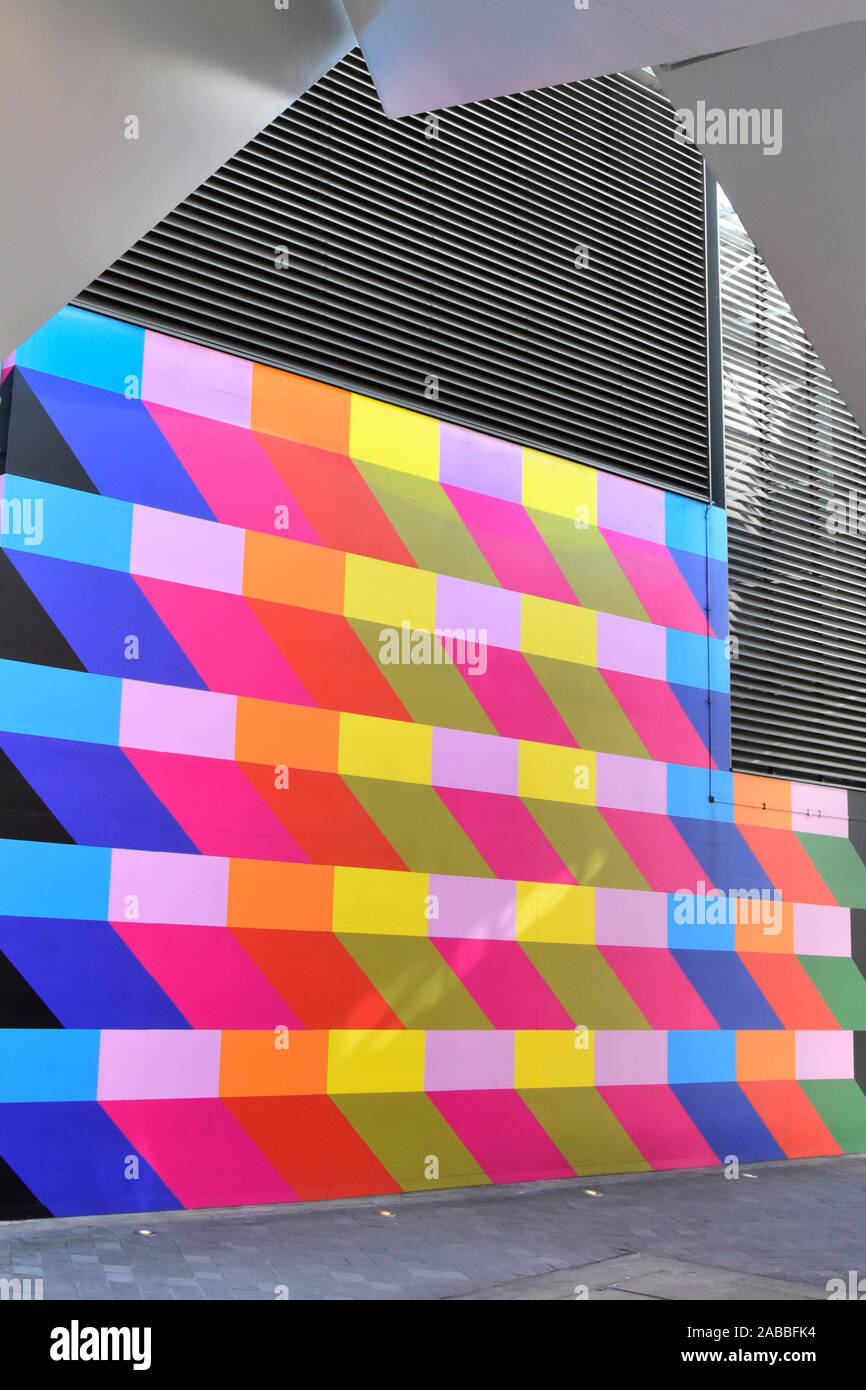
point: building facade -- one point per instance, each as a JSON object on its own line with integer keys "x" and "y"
{"x": 368, "y": 815}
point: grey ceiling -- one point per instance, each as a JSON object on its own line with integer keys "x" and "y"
{"x": 201, "y": 76}
{"x": 805, "y": 207}
{"x": 204, "y": 76}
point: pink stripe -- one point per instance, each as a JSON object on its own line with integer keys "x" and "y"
{"x": 511, "y": 544}
{"x": 465, "y": 607}
{"x": 208, "y": 975}
{"x": 504, "y": 983}
{"x": 658, "y": 719}
{"x": 476, "y": 762}
{"x": 636, "y": 1058}
{"x": 174, "y": 719}
{"x": 822, "y": 931}
{"x": 159, "y": 1064}
{"x": 481, "y": 463}
{"x": 505, "y": 834}
{"x": 625, "y": 644}
{"x": 659, "y": 1126}
{"x": 819, "y": 810}
{"x": 186, "y": 550}
{"x": 233, "y": 1171}
{"x": 624, "y": 917}
{"x": 502, "y": 1135}
{"x": 659, "y": 851}
{"x": 659, "y": 988}
{"x": 234, "y": 475}
{"x": 7, "y": 365}
{"x": 461, "y": 1060}
{"x": 515, "y": 700}
{"x": 633, "y": 508}
{"x": 225, "y": 642}
{"x": 152, "y": 887}
{"x": 197, "y": 379}
{"x": 658, "y": 582}
{"x": 824, "y": 1056}
{"x": 630, "y": 784}
{"x": 480, "y": 907}
{"x": 218, "y": 807}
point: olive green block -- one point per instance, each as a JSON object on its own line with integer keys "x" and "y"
{"x": 585, "y": 985}
{"x": 419, "y": 826}
{"x": 412, "y": 1140}
{"x": 584, "y": 1129}
{"x": 415, "y": 980}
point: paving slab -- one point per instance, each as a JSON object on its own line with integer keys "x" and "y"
{"x": 678, "y": 1236}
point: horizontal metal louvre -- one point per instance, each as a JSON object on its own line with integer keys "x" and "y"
{"x": 798, "y": 592}
{"x": 453, "y": 258}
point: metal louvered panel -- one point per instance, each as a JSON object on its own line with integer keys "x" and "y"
{"x": 798, "y": 591}
{"x": 453, "y": 258}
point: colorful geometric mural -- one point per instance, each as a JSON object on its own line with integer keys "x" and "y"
{"x": 367, "y": 809}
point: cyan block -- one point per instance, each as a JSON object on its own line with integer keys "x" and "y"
{"x": 66, "y": 524}
{"x": 702, "y": 1055}
{"x": 56, "y": 703}
{"x": 41, "y": 880}
{"x": 86, "y": 347}
{"x": 48, "y": 1064}
{"x": 690, "y": 788}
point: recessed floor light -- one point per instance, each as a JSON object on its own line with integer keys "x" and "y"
{"x": 384, "y": 1213}
{"x": 144, "y": 1232}
{"x": 591, "y": 1192}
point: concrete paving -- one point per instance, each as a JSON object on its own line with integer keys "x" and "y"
{"x": 779, "y": 1232}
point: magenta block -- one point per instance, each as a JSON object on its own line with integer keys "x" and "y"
{"x": 658, "y": 850}
{"x": 218, "y": 806}
{"x": 504, "y": 983}
{"x": 503, "y": 1135}
{"x": 234, "y": 475}
{"x": 208, "y": 975}
{"x": 231, "y": 1171}
{"x": 659, "y": 1126}
{"x": 511, "y": 545}
{"x": 659, "y": 987}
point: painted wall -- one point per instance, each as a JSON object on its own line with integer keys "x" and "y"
{"x": 298, "y": 902}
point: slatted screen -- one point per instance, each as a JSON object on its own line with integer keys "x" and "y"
{"x": 796, "y": 460}
{"x": 438, "y": 263}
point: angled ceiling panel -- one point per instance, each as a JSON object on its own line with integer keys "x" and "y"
{"x": 426, "y": 55}
{"x": 200, "y": 77}
{"x": 805, "y": 207}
